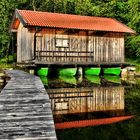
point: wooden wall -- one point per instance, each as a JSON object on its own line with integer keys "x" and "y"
{"x": 74, "y": 53}
{"x": 107, "y": 48}
{"x": 82, "y": 46}
{"x": 78, "y": 100}
{"x": 25, "y": 40}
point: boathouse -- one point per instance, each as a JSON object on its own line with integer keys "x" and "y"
{"x": 54, "y": 38}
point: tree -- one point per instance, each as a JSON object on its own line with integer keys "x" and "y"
{"x": 126, "y": 11}
{"x": 6, "y": 8}
{"x": 133, "y": 16}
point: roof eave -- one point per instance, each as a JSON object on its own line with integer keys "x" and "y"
{"x": 15, "y": 16}
{"x": 131, "y": 32}
{"x": 20, "y": 17}
{"x": 11, "y": 25}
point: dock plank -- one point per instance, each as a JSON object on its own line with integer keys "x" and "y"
{"x": 25, "y": 109}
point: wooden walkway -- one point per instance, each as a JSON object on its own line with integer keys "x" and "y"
{"x": 25, "y": 109}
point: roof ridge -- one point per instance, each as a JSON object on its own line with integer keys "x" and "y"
{"x": 71, "y": 21}
{"x": 67, "y": 14}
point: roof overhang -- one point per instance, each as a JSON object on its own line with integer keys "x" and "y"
{"x": 66, "y": 21}
{"x": 17, "y": 18}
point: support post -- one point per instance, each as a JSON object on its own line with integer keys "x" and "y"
{"x": 80, "y": 71}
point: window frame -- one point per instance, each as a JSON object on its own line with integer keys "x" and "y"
{"x": 60, "y": 39}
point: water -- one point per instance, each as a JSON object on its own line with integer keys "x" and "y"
{"x": 1, "y": 87}
{"x": 109, "y": 107}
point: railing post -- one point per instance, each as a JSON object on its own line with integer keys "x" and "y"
{"x": 39, "y": 55}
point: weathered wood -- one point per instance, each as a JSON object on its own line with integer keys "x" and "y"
{"x": 104, "y": 46}
{"x": 78, "y": 100}
{"x": 25, "y": 43}
{"x": 25, "y": 109}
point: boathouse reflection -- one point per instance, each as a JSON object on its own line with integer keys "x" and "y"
{"x": 81, "y": 106}
{"x": 89, "y": 99}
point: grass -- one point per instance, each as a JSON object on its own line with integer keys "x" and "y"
{"x": 134, "y": 62}
{"x": 6, "y": 66}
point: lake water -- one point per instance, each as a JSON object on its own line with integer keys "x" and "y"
{"x": 1, "y": 87}
{"x": 95, "y": 108}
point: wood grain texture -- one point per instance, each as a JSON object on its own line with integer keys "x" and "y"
{"x": 102, "y": 47}
{"x": 25, "y": 109}
{"x": 78, "y": 100}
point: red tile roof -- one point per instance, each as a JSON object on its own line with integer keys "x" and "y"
{"x": 68, "y": 21}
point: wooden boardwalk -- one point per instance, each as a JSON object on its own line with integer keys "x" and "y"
{"x": 25, "y": 109}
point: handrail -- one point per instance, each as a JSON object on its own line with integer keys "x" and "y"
{"x": 87, "y": 56}
{"x": 65, "y": 51}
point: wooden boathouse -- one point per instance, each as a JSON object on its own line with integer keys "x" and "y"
{"x": 54, "y": 38}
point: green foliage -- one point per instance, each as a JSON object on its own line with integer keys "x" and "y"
{"x": 8, "y": 59}
{"x": 132, "y": 46}
{"x": 126, "y": 11}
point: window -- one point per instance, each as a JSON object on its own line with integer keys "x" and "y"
{"x": 61, "y": 40}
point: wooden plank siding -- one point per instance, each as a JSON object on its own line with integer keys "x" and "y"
{"x": 78, "y": 100}
{"x": 82, "y": 47}
{"x": 25, "y": 43}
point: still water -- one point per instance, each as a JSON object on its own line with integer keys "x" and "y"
{"x": 95, "y": 108}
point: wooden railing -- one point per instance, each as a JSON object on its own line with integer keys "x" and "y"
{"x": 64, "y": 56}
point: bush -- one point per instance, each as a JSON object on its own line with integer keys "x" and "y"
{"x": 8, "y": 59}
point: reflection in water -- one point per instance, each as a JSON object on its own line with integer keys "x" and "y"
{"x": 68, "y": 79}
{"x": 44, "y": 80}
{"x": 1, "y": 88}
{"x": 87, "y": 102}
{"x": 124, "y": 130}
{"x": 93, "y": 79}
{"x": 79, "y": 100}
{"x": 93, "y": 122}
{"x": 113, "y": 79}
